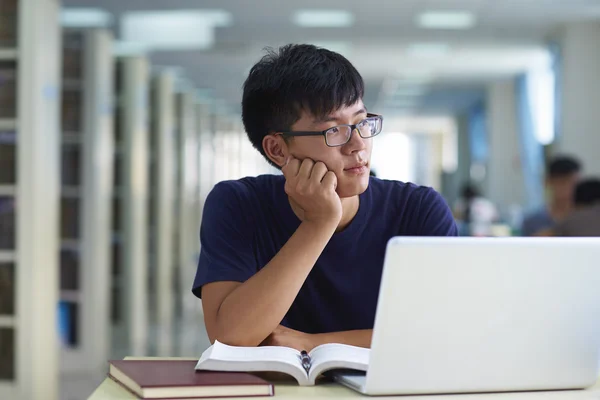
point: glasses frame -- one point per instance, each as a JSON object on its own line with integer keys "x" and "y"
{"x": 324, "y": 132}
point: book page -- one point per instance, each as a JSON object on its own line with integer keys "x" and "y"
{"x": 337, "y": 356}
{"x": 221, "y": 357}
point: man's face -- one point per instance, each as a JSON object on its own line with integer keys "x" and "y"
{"x": 562, "y": 188}
{"x": 349, "y": 162}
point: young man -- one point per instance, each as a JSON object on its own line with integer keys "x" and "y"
{"x": 296, "y": 260}
{"x": 562, "y": 175}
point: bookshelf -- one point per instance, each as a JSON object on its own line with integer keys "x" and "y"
{"x": 192, "y": 308}
{"x": 129, "y": 291}
{"x": 86, "y": 199}
{"x": 8, "y": 54}
{"x": 29, "y": 198}
{"x": 186, "y": 192}
{"x": 8, "y": 124}
{"x": 227, "y": 142}
{"x": 206, "y": 157}
{"x": 161, "y": 216}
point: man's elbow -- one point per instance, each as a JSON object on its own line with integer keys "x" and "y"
{"x": 232, "y": 336}
{"x": 235, "y": 339}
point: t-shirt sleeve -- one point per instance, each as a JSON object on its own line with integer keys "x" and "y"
{"x": 226, "y": 237}
{"x": 435, "y": 216}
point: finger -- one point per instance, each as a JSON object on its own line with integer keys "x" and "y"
{"x": 330, "y": 180}
{"x": 291, "y": 168}
{"x": 318, "y": 172}
{"x": 306, "y": 168}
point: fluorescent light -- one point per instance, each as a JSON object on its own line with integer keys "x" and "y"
{"x": 173, "y": 30}
{"x": 446, "y": 20}
{"x": 428, "y": 50}
{"x": 217, "y": 18}
{"x": 85, "y": 18}
{"x": 323, "y": 18}
{"x": 540, "y": 90}
{"x": 122, "y": 48}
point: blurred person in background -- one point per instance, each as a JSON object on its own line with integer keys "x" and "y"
{"x": 585, "y": 219}
{"x": 296, "y": 259}
{"x": 475, "y": 213}
{"x": 562, "y": 175}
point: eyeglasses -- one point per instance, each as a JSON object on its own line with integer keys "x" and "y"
{"x": 339, "y": 135}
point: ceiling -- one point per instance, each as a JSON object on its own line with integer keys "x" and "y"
{"x": 507, "y": 39}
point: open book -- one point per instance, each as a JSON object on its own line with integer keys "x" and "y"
{"x": 221, "y": 357}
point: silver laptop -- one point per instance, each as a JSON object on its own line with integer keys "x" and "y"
{"x": 468, "y": 315}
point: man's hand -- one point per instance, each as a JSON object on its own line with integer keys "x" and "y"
{"x": 312, "y": 187}
{"x": 287, "y": 337}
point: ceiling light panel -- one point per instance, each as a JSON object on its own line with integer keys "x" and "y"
{"x": 323, "y": 18}
{"x": 173, "y": 30}
{"x": 85, "y": 18}
{"x": 446, "y": 20}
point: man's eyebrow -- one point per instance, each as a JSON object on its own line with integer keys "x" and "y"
{"x": 330, "y": 118}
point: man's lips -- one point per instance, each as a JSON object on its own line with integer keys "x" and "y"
{"x": 357, "y": 166}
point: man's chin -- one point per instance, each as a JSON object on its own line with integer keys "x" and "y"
{"x": 352, "y": 189}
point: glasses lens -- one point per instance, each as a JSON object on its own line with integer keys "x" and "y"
{"x": 338, "y": 135}
{"x": 370, "y": 127}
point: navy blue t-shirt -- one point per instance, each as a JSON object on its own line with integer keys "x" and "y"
{"x": 246, "y": 222}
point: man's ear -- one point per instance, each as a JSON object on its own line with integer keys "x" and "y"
{"x": 276, "y": 149}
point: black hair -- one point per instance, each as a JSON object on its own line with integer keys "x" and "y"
{"x": 587, "y": 192}
{"x": 292, "y": 79}
{"x": 562, "y": 166}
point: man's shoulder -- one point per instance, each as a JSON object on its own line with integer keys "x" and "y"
{"x": 246, "y": 187}
{"x": 401, "y": 191}
{"x": 420, "y": 210}
{"x": 243, "y": 199}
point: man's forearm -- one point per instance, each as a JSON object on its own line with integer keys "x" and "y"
{"x": 360, "y": 338}
{"x": 255, "y": 308}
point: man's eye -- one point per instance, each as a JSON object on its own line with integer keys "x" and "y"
{"x": 333, "y": 130}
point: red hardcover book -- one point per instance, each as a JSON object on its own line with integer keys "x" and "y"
{"x": 150, "y": 379}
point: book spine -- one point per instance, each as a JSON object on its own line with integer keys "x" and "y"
{"x": 186, "y": 398}
{"x": 123, "y": 386}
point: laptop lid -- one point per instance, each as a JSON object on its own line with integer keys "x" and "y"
{"x": 461, "y": 315}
